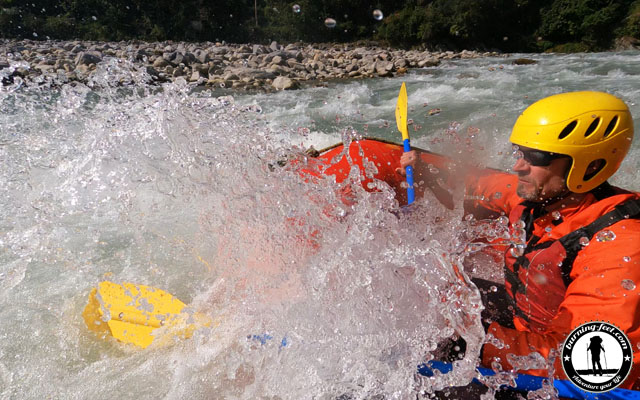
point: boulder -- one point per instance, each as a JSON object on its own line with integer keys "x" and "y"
{"x": 160, "y": 63}
{"x": 88, "y": 57}
{"x": 524, "y": 61}
{"x": 284, "y": 83}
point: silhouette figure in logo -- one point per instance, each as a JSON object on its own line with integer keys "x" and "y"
{"x": 595, "y": 345}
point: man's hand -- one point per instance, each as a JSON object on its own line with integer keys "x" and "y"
{"x": 431, "y": 177}
{"x": 410, "y": 158}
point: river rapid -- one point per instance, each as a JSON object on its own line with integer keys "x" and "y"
{"x": 180, "y": 188}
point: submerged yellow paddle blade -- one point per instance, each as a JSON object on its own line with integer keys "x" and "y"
{"x": 402, "y": 112}
{"x": 139, "y": 314}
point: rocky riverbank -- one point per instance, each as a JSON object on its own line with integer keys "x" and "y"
{"x": 242, "y": 66}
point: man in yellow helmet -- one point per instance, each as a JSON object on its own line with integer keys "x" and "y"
{"x": 574, "y": 255}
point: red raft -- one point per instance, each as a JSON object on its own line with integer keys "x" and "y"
{"x": 385, "y": 156}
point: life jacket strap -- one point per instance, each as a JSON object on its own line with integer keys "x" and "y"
{"x": 571, "y": 242}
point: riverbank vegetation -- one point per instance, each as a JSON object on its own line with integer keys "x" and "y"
{"x": 504, "y": 25}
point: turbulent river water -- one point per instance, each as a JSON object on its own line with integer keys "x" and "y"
{"x": 180, "y": 188}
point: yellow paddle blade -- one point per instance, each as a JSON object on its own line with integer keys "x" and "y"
{"x": 139, "y": 314}
{"x": 402, "y": 112}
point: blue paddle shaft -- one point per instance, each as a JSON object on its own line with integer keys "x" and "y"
{"x": 409, "y": 170}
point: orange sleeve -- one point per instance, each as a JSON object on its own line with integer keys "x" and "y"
{"x": 491, "y": 194}
{"x": 605, "y": 287}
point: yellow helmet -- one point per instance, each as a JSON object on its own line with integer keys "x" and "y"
{"x": 587, "y": 126}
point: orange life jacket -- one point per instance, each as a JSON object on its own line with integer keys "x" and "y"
{"x": 570, "y": 270}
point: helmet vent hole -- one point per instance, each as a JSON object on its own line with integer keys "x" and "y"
{"x": 594, "y": 167}
{"x": 592, "y": 128}
{"x": 610, "y": 127}
{"x": 567, "y": 130}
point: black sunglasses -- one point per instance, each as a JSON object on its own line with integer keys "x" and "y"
{"x": 536, "y": 158}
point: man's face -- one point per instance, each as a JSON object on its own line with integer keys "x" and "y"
{"x": 540, "y": 182}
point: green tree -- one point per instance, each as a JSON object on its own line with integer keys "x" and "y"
{"x": 591, "y": 22}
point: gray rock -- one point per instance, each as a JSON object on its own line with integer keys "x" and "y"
{"x": 277, "y": 60}
{"x": 178, "y": 72}
{"x": 160, "y": 63}
{"x": 141, "y": 54}
{"x": 188, "y": 58}
{"x": 82, "y": 69}
{"x": 429, "y": 62}
{"x": 351, "y": 67}
{"x": 176, "y": 58}
{"x": 152, "y": 71}
{"x": 215, "y": 70}
{"x": 77, "y": 49}
{"x": 219, "y": 50}
{"x": 400, "y": 63}
{"x": 524, "y": 61}
{"x": 230, "y": 76}
{"x": 202, "y": 68}
{"x": 384, "y": 67}
{"x": 258, "y": 49}
{"x": 202, "y": 56}
{"x": 284, "y": 83}
{"x": 88, "y": 57}
{"x": 196, "y": 76}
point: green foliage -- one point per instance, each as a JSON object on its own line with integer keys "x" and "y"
{"x": 591, "y": 22}
{"x": 508, "y": 25}
{"x": 631, "y": 23}
{"x": 568, "y": 48}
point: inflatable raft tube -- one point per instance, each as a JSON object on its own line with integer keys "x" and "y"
{"x": 338, "y": 161}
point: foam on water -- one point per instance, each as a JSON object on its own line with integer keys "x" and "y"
{"x": 180, "y": 190}
{"x": 183, "y": 190}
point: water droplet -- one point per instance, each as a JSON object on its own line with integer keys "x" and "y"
{"x": 518, "y": 224}
{"x": 503, "y": 221}
{"x": 497, "y": 195}
{"x": 296, "y": 8}
{"x": 93, "y": 17}
{"x": 493, "y": 289}
{"x": 330, "y": 23}
{"x": 433, "y": 169}
{"x": 556, "y": 215}
{"x": 517, "y": 250}
{"x": 605, "y": 236}
{"x": 584, "y": 241}
{"x": 378, "y": 15}
{"x": 628, "y": 284}
{"x": 548, "y": 229}
{"x": 540, "y": 267}
{"x": 121, "y": 315}
{"x": 626, "y": 258}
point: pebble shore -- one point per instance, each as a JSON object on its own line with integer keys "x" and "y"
{"x": 237, "y": 66}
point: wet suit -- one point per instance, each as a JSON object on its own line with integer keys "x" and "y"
{"x": 571, "y": 271}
